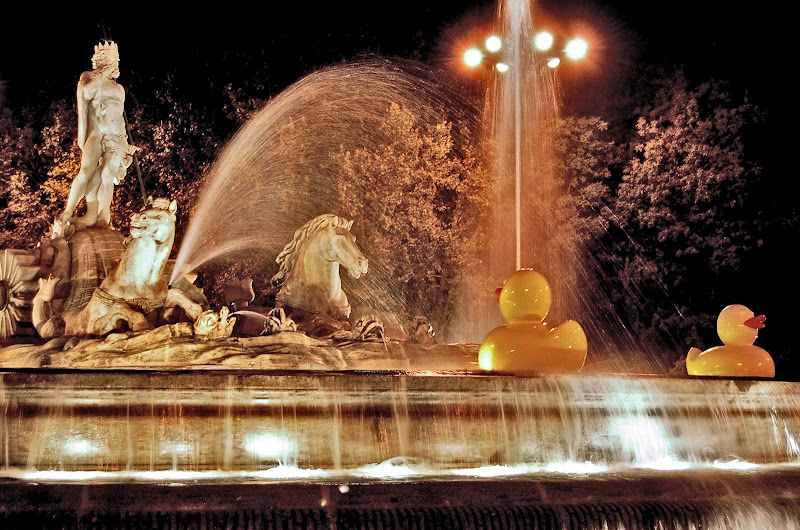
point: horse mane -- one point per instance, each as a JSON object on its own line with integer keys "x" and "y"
{"x": 288, "y": 256}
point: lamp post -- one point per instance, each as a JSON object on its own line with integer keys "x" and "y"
{"x": 489, "y": 56}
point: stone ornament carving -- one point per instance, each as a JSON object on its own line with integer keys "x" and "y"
{"x": 17, "y": 285}
{"x": 214, "y": 325}
{"x": 278, "y": 322}
{"x": 103, "y": 139}
{"x": 134, "y": 293}
{"x": 310, "y": 286}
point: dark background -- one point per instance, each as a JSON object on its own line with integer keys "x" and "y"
{"x": 44, "y": 49}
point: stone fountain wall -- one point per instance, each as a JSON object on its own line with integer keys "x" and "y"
{"x": 340, "y": 422}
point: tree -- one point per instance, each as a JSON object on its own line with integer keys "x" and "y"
{"x": 685, "y": 201}
{"x": 25, "y": 209}
{"x": 419, "y": 199}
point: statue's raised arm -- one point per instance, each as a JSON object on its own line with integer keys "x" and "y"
{"x": 102, "y": 137}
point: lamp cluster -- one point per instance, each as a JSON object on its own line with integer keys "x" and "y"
{"x": 575, "y": 50}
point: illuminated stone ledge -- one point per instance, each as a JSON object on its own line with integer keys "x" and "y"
{"x": 418, "y": 423}
{"x": 284, "y": 351}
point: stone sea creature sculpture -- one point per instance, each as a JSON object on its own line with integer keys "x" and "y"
{"x": 310, "y": 287}
{"x": 368, "y": 328}
{"x": 238, "y": 293}
{"x": 737, "y": 327}
{"x": 526, "y": 343}
{"x": 133, "y": 295}
{"x": 213, "y": 325}
{"x": 422, "y": 332}
{"x": 277, "y": 322}
{"x": 251, "y": 323}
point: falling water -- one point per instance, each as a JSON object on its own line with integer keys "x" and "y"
{"x": 221, "y": 425}
{"x": 521, "y": 107}
{"x": 283, "y": 167}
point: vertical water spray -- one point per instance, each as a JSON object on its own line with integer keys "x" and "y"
{"x": 521, "y": 107}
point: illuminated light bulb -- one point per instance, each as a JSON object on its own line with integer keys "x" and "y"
{"x": 543, "y": 41}
{"x": 493, "y": 44}
{"x": 553, "y": 62}
{"x": 501, "y": 67}
{"x": 576, "y": 49}
{"x": 80, "y": 446}
{"x": 473, "y": 57}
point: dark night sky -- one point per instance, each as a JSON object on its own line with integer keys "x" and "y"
{"x": 45, "y": 50}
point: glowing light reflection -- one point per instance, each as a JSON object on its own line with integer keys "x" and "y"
{"x": 179, "y": 447}
{"x": 493, "y": 43}
{"x": 473, "y": 57}
{"x": 268, "y": 446}
{"x": 553, "y": 62}
{"x": 80, "y": 447}
{"x": 501, "y": 67}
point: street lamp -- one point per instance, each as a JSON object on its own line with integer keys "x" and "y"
{"x": 543, "y": 44}
{"x": 575, "y": 49}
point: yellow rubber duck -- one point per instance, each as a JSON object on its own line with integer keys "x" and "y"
{"x": 526, "y": 343}
{"x": 738, "y": 327}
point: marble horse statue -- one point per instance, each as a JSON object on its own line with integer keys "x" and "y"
{"x": 134, "y": 296}
{"x": 310, "y": 286}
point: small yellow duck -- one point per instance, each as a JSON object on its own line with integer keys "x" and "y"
{"x": 737, "y": 327}
{"x": 526, "y": 342}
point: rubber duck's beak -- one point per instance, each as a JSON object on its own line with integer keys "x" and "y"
{"x": 497, "y": 293}
{"x": 756, "y": 322}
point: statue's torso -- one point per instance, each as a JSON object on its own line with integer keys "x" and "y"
{"x": 106, "y": 105}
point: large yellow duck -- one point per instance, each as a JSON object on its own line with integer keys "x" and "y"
{"x": 738, "y": 327}
{"x": 525, "y": 343}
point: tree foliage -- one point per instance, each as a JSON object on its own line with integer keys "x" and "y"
{"x": 683, "y": 199}
{"x": 418, "y": 198}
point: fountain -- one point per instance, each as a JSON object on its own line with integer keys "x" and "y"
{"x": 186, "y": 425}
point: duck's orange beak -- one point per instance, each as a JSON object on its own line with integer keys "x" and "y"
{"x": 497, "y": 293}
{"x": 756, "y": 322}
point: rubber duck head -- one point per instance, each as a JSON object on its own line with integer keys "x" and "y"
{"x": 524, "y": 297}
{"x": 737, "y": 325}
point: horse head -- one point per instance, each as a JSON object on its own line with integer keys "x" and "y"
{"x": 344, "y": 250}
{"x": 156, "y": 222}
